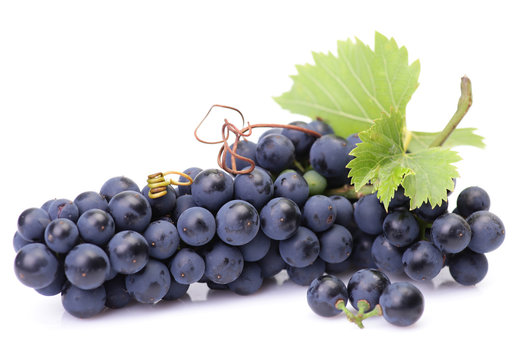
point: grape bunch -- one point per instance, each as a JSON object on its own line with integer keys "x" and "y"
{"x": 294, "y": 211}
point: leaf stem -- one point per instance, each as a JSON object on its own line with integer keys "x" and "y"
{"x": 463, "y": 106}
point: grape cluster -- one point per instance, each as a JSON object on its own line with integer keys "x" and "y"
{"x": 108, "y": 248}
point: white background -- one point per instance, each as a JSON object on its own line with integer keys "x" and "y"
{"x": 95, "y": 89}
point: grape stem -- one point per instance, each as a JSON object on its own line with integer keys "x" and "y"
{"x": 463, "y": 106}
{"x": 362, "y": 314}
{"x": 348, "y": 191}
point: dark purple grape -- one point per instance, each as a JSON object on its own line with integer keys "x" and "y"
{"x": 402, "y": 303}
{"x": 368, "y": 285}
{"x": 324, "y": 293}
{"x": 487, "y": 231}
{"x": 472, "y": 199}
{"x": 451, "y": 233}
{"x": 468, "y": 267}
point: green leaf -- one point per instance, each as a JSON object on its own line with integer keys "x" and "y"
{"x": 459, "y": 137}
{"x": 380, "y": 158}
{"x": 349, "y": 91}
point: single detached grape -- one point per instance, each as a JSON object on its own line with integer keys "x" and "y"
{"x": 402, "y": 303}
{"x": 280, "y": 218}
{"x": 237, "y": 222}
{"x": 35, "y": 266}
{"x": 468, "y": 267}
{"x": 472, "y": 199}
{"x": 61, "y": 235}
{"x": 451, "y": 233}
{"x": 151, "y": 284}
{"x": 422, "y": 261}
{"x": 368, "y": 285}
{"x": 300, "y": 250}
{"x": 212, "y": 188}
{"x": 324, "y": 293}
{"x": 319, "y": 213}
{"x": 369, "y": 214}
{"x": 487, "y": 231}
{"x": 400, "y": 228}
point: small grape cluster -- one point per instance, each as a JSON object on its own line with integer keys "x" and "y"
{"x": 108, "y": 248}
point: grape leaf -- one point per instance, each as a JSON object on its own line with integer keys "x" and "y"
{"x": 381, "y": 159}
{"x": 465, "y": 136}
{"x": 349, "y": 91}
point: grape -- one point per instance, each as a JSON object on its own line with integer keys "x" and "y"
{"x": 63, "y": 208}
{"x": 293, "y": 186}
{"x": 90, "y": 200}
{"x": 319, "y": 213}
{"x": 61, "y": 235}
{"x": 301, "y": 140}
{"x": 117, "y": 295}
{"x": 280, "y": 218}
{"x": 163, "y": 205}
{"x": 429, "y": 214}
{"x": 237, "y": 222}
{"x": 212, "y": 188}
{"x": 257, "y": 248}
{"x": 400, "y": 228}
{"x": 163, "y": 239}
{"x": 176, "y": 290}
{"x": 244, "y": 148}
{"x": 387, "y": 257}
{"x": 196, "y": 226}
{"x": 35, "y": 266}
{"x": 32, "y": 223}
{"x": 329, "y": 156}
{"x": 56, "y": 286}
{"x": 451, "y": 233}
{"x": 116, "y": 185}
{"x": 86, "y": 266}
{"x": 301, "y": 249}
{"x": 472, "y": 199}
{"x": 149, "y": 285}
{"x": 402, "y": 303}
{"x": 361, "y": 256}
{"x": 255, "y": 187}
{"x": 183, "y": 203}
{"x": 275, "y": 152}
{"x": 422, "y": 261}
{"x": 223, "y": 263}
{"x": 305, "y": 275}
{"x": 83, "y": 303}
{"x": 187, "y": 266}
{"x": 343, "y": 210}
{"x": 130, "y": 211}
{"x": 487, "y": 231}
{"x": 19, "y": 241}
{"x": 324, "y": 293}
{"x": 271, "y": 263}
{"x": 96, "y": 226}
{"x": 316, "y": 182}
{"x": 339, "y": 268}
{"x": 368, "y": 285}
{"x": 468, "y": 267}
{"x": 369, "y": 214}
{"x": 128, "y": 252}
{"x": 336, "y": 244}
{"x": 249, "y": 281}
{"x": 187, "y": 189}
{"x": 46, "y": 205}
{"x": 321, "y": 127}
{"x": 399, "y": 199}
